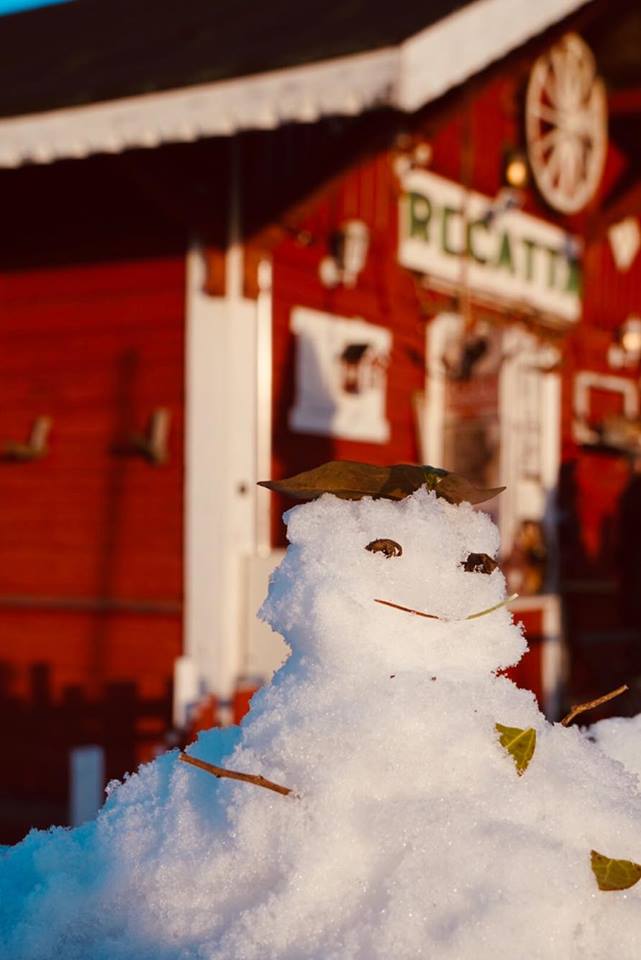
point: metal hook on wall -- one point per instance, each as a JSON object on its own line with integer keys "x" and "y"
{"x": 36, "y": 447}
{"x": 152, "y": 445}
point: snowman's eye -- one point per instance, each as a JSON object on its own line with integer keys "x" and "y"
{"x": 389, "y": 548}
{"x": 479, "y": 563}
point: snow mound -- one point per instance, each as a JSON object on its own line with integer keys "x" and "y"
{"x": 620, "y": 738}
{"x": 410, "y": 833}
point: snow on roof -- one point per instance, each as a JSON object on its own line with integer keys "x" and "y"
{"x": 118, "y": 77}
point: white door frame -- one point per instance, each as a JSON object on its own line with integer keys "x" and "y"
{"x": 521, "y": 351}
{"x": 227, "y": 346}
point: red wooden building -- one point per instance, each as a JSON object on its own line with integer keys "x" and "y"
{"x": 233, "y": 250}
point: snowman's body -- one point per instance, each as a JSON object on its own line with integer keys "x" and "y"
{"x": 410, "y": 833}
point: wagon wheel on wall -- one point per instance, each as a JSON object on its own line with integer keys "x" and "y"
{"x": 566, "y": 124}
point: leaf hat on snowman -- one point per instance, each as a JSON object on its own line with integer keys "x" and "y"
{"x": 403, "y": 828}
{"x": 352, "y": 480}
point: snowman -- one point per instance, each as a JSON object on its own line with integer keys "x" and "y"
{"x": 418, "y": 802}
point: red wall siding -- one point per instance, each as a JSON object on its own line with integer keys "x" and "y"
{"x": 384, "y": 295}
{"x": 90, "y": 540}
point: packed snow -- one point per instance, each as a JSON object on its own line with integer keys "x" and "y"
{"x": 409, "y": 832}
{"x": 620, "y": 737}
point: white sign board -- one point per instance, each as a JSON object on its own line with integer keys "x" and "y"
{"x": 461, "y": 236}
{"x": 341, "y": 376}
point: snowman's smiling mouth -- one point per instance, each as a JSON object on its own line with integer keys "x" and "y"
{"x": 473, "y": 563}
{"x": 433, "y": 616}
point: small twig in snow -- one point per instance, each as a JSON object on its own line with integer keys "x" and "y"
{"x": 416, "y": 613}
{"x": 591, "y": 704}
{"x": 234, "y": 775}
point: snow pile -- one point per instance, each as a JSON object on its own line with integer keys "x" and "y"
{"x": 620, "y": 738}
{"x": 410, "y": 834}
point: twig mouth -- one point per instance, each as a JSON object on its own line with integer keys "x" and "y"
{"x": 433, "y": 616}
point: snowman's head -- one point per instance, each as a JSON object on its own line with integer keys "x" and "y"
{"x": 418, "y": 553}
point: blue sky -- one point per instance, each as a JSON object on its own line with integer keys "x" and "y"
{"x": 11, "y": 6}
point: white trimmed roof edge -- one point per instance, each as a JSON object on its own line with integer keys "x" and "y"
{"x": 404, "y": 77}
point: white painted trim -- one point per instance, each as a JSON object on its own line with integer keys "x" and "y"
{"x": 438, "y": 331}
{"x": 344, "y": 86}
{"x": 264, "y": 401}
{"x": 587, "y": 380}
{"x": 522, "y": 351}
{"x": 201, "y": 614}
{"x": 234, "y": 254}
{"x": 405, "y": 77}
{"x": 187, "y": 690}
{"x": 220, "y": 463}
{"x": 464, "y": 43}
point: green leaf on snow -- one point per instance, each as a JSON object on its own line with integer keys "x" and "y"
{"x": 520, "y": 744}
{"x": 614, "y": 874}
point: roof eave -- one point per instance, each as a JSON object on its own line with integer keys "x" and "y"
{"x": 403, "y": 77}
{"x": 466, "y": 42}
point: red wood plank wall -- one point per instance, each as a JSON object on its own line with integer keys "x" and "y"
{"x": 384, "y": 295}
{"x": 90, "y": 540}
